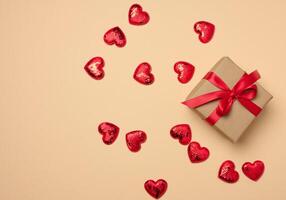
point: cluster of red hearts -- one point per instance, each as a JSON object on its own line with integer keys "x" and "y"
{"x": 182, "y": 132}
{"x": 142, "y": 74}
{"x": 196, "y": 153}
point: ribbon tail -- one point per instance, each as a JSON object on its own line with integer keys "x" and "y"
{"x": 204, "y": 99}
{"x": 214, "y": 79}
{"x": 213, "y": 117}
{"x": 250, "y": 106}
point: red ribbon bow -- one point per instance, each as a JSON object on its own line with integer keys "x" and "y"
{"x": 244, "y": 91}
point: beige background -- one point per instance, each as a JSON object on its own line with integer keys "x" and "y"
{"x": 49, "y": 145}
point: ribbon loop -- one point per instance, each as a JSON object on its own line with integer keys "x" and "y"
{"x": 244, "y": 91}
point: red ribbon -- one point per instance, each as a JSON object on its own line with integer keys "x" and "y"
{"x": 244, "y": 91}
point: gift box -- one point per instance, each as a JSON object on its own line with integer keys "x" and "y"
{"x": 228, "y": 98}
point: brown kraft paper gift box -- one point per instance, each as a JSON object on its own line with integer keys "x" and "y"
{"x": 239, "y": 118}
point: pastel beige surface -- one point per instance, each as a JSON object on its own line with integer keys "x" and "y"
{"x": 49, "y": 145}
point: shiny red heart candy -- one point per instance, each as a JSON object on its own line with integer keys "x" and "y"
{"x": 184, "y": 70}
{"x": 94, "y": 68}
{"x": 205, "y": 30}
{"x": 156, "y": 189}
{"x": 227, "y": 172}
{"x": 134, "y": 139}
{"x": 182, "y": 132}
{"x": 115, "y": 36}
{"x": 253, "y": 170}
{"x": 143, "y": 75}
{"x": 197, "y": 153}
{"x": 137, "y": 16}
{"x": 108, "y": 131}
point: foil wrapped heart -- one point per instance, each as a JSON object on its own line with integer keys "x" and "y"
{"x": 134, "y": 139}
{"x": 115, "y": 36}
{"x": 205, "y": 30}
{"x": 227, "y": 172}
{"x": 137, "y": 16}
{"x": 197, "y": 153}
{"x": 156, "y": 188}
{"x": 109, "y": 132}
{"x": 253, "y": 170}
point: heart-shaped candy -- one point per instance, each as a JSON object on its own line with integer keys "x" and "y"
{"x": 205, "y": 30}
{"x": 134, "y": 139}
{"x": 156, "y": 189}
{"x": 253, "y": 170}
{"x": 108, "y": 131}
{"x": 184, "y": 70}
{"x": 115, "y": 36}
{"x": 182, "y": 132}
{"x": 197, "y": 153}
{"x": 143, "y": 74}
{"x": 137, "y": 16}
{"x": 94, "y": 68}
{"x": 227, "y": 172}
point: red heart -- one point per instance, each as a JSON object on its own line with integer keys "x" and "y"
{"x": 134, "y": 139}
{"x": 205, "y": 30}
{"x": 253, "y": 171}
{"x": 227, "y": 172}
{"x": 137, "y": 16}
{"x": 182, "y": 132}
{"x": 184, "y": 70}
{"x": 94, "y": 67}
{"x": 108, "y": 131}
{"x": 197, "y": 153}
{"x": 156, "y": 189}
{"x": 143, "y": 74}
{"x": 115, "y": 36}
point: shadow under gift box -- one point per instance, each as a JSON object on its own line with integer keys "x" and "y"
{"x": 239, "y": 118}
